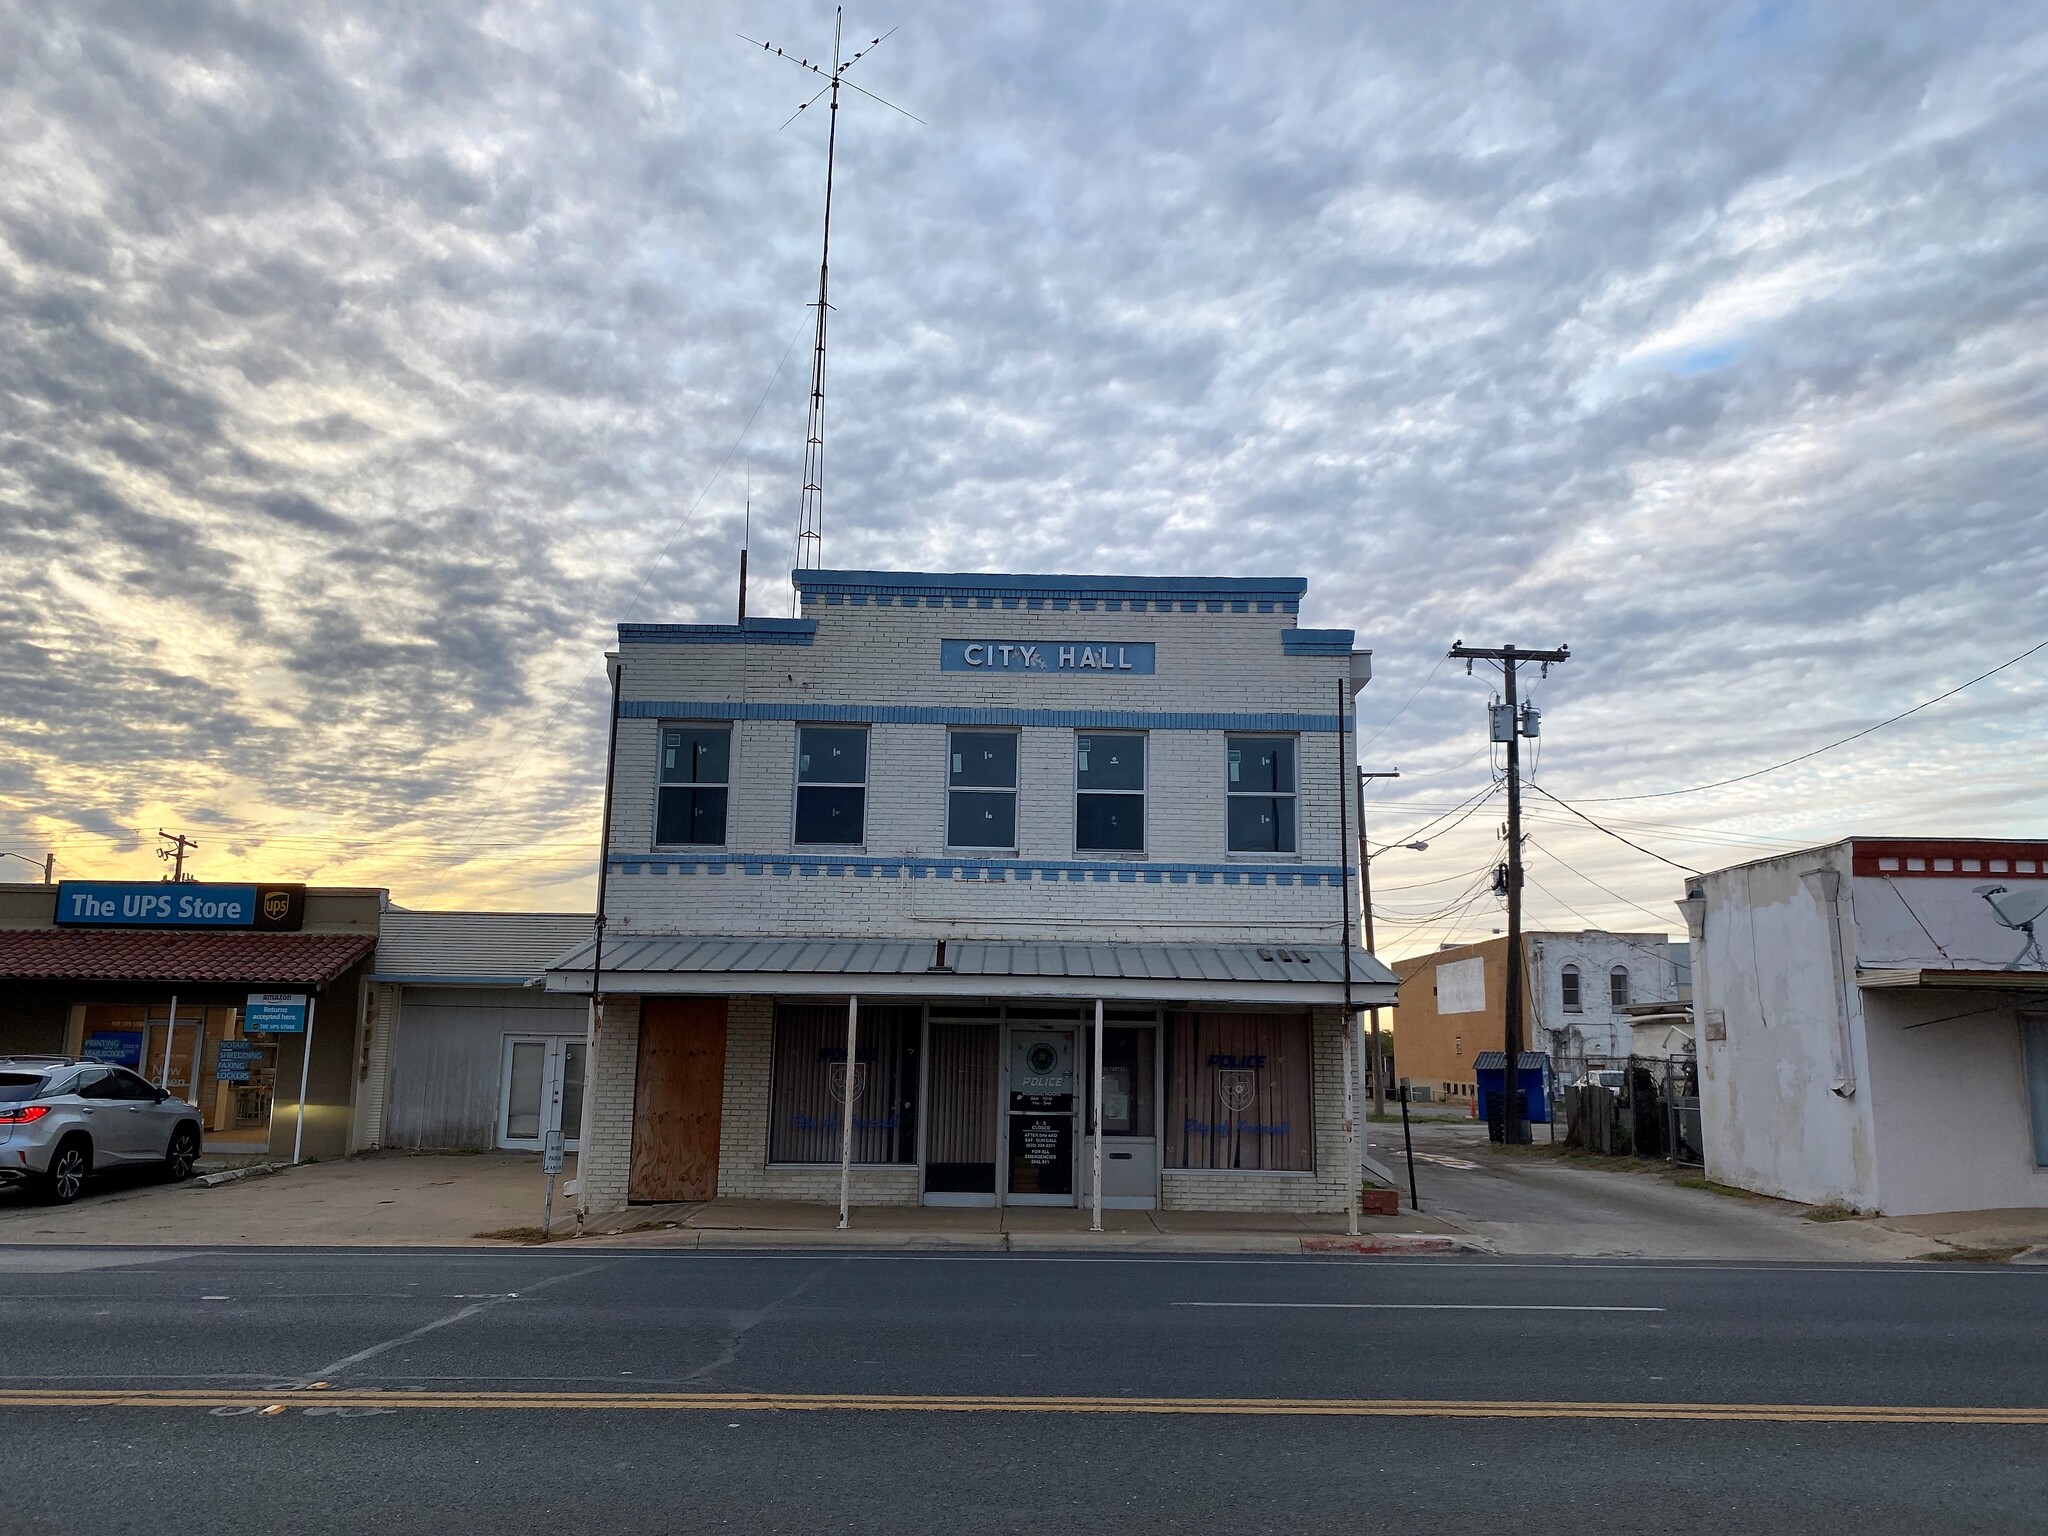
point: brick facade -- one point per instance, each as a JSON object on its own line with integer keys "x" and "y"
{"x": 1229, "y": 661}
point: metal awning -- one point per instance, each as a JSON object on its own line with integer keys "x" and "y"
{"x": 833, "y": 967}
{"x": 1980, "y": 981}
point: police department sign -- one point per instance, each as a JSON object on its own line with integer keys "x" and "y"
{"x": 1078, "y": 658}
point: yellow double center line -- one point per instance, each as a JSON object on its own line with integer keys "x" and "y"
{"x": 820, "y": 1402}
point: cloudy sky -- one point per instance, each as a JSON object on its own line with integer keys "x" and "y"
{"x": 361, "y": 365}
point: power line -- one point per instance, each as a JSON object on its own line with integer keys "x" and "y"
{"x": 1397, "y": 714}
{"x": 1757, "y": 773}
{"x": 1599, "y": 887}
{"x": 1589, "y": 821}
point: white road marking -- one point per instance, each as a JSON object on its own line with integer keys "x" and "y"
{"x": 1407, "y": 1306}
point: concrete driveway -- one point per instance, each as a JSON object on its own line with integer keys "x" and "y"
{"x": 1531, "y": 1201}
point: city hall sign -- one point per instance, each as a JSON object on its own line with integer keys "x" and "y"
{"x": 1136, "y": 658}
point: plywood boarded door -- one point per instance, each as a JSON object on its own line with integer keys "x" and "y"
{"x": 676, "y": 1100}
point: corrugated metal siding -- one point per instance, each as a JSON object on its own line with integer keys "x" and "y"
{"x": 450, "y": 1055}
{"x": 1319, "y": 964}
{"x": 509, "y": 944}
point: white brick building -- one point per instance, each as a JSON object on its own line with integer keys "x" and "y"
{"x": 982, "y": 806}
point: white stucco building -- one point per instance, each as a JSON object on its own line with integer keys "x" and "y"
{"x": 1872, "y": 1024}
{"x": 1583, "y": 985}
{"x": 981, "y": 806}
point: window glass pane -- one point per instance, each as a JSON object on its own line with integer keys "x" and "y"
{"x": 127, "y": 1085}
{"x": 1617, "y": 988}
{"x": 522, "y": 1097}
{"x": 1570, "y": 982}
{"x": 1109, "y": 762}
{"x": 691, "y": 816}
{"x": 1237, "y": 1092}
{"x": 1110, "y": 823}
{"x": 981, "y": 819}
{"x": 95, "y": 1086}
{"x": 16, "y": 1086}
{"x": 696, "y": 754}
{"x": 983, "y": 760}
{"x": 2034, "y": 1032}
{"x": 572, "y": 1090}
{"x": 831, "y": 756}
{"x": 810, "y": 1057}
{"x": 830, "y": 815}
{"x": 1261, "y": 824}
{"x": 1261, "y": 764}
{"x": 1127, "y": 1092}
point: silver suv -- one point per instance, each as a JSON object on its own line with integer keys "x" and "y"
{"x": 61, "y": 1120}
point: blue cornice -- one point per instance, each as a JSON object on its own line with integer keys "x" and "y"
{"x": 1112, "y": 594}
{"x": 747, "y": 632}
{"x": 1317, "y": 642}
{"x": 933, "y": 714}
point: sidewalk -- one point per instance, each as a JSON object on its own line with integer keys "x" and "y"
{"x": 494, "y": 1199}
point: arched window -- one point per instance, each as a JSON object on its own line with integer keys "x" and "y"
{"x": 1568, "y": 983}
{"x": 1617, "y": 986}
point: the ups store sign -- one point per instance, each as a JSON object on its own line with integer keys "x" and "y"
{"x": 140, "y": 904}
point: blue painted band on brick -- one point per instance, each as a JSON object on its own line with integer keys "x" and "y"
{"x": 1000, "y": 871}
{"x": 930, "y": 714}
{"x": 752, "y": 632}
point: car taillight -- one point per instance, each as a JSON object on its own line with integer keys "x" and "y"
{"x": 23, "y": 1114}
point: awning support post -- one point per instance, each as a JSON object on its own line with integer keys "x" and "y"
{"x": 846, "y": 1111}
{"x": 163, "y": 1076}
{"x": 305, "y": 1072}
{"x": 1096, "y": 1224}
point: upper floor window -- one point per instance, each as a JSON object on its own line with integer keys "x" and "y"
{"x": 831, "y": 784}
{"x": 981, "y": 789}
{"x": 1617, "y": 986}
{"x": 1568, "y": 985}
{"x": 1109, "y": 792}
{"x": 696, "y": 772}
{"x": 1260, "y": 791}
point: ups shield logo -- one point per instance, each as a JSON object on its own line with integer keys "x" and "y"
{"x": 280, "y": 907}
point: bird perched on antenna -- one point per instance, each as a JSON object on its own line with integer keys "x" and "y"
{"x": 2017, "y": 910}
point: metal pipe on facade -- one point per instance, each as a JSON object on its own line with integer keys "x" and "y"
{"x": 1096, "y": 1095}
{"x": 846, "y": 1110}
{"x": 1352, "y": 1194}
{"x": 604, "y": 864}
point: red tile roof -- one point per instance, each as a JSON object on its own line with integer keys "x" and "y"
{"x": 153, "y": 954}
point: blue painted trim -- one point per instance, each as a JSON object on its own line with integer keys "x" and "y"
{"x": 1317, "y": 642}
{"x": 1267, "y": 594}
{"x": 752, "y": 632}
{"x": 932, "y": 714}
{"x": 993, "y": 871}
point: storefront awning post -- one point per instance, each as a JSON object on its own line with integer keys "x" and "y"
{"x": 1351, "y": 1054}
{"x": 846, "y": 1109}
{"x": 305, "y": 1072}
{"x": 1095, "y": 1094}
{"x": 163, "y": 1076}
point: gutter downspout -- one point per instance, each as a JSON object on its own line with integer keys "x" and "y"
{"x": 604, "y": 864}
{"x": 1826, "y": 884}
{"x": 1352, "y": 1191}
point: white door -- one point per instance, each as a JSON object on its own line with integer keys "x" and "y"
{"x": 541, "y": 1090}
{"x": 1130, "y": 1117}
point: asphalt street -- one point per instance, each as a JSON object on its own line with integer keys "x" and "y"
{"x": 410, "y": 1390}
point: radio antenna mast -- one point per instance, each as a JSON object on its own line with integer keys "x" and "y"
{"x": 810, "y": 518}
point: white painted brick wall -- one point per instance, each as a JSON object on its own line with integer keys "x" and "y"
{"x": 890, "y": 656}
{"x": 606, "y": 1161}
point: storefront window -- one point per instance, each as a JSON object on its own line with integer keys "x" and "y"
{"x": 810, "y": 1069}
{"x": 199, "y": 1053}
{"x": 1238, "y": 1092}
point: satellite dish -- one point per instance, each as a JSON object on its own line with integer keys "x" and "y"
{"x": 2017, "y": 910}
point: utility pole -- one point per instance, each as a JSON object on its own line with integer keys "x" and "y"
{"x": 175, "y": 854}
{"x": 1509, "y": 724}
{"x": 1379, "y": 1066}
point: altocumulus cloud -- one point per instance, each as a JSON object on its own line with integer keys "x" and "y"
{"x": 361, "y": 364}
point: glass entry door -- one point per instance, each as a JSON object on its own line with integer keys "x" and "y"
{"x": 1040, "y": 1122}
{"x": 542, "y": 1091}
{"x": 961, "y": 1068}
{"x": 1130, "y": 1117}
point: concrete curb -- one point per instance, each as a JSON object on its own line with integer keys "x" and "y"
{"x": 234, "y": 1175}
{"x": 739, "y": 1239}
